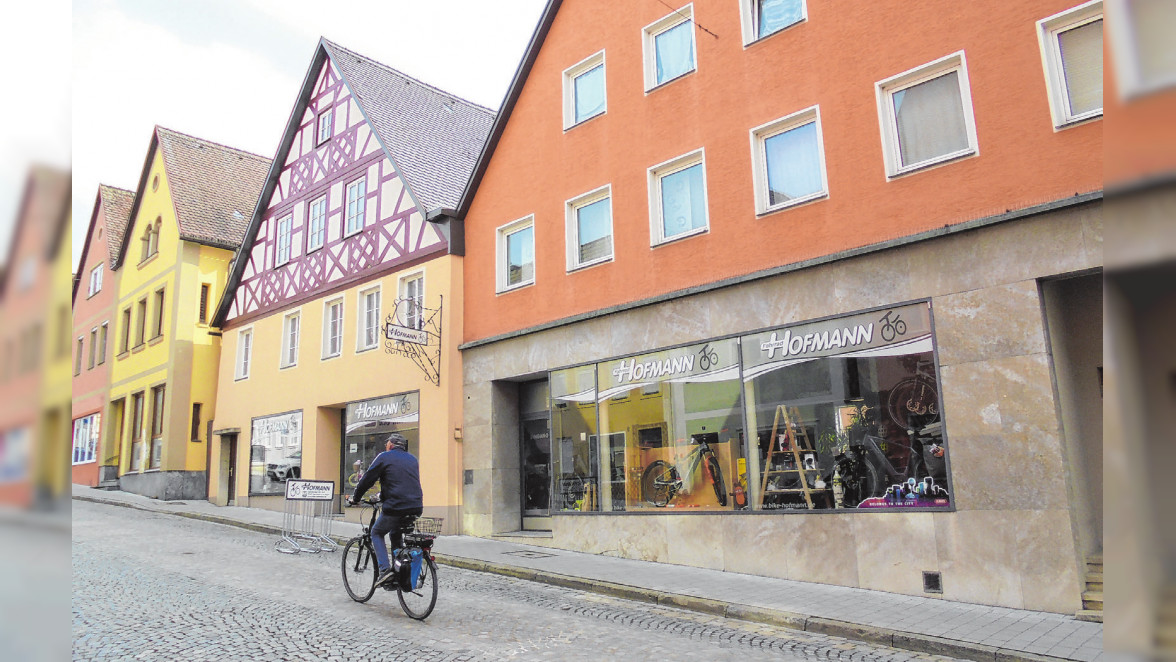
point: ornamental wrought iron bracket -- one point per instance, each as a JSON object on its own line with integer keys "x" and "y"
{"x": 414, "y": 331}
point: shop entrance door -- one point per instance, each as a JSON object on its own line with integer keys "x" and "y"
{"x": 232, "y": 472}
{"x": 535, "y": 444}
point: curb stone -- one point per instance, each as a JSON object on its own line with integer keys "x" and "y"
{"x": 874, "y": 635}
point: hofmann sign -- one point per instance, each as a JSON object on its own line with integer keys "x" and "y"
{"x": 392, "y": 408}
{"x": 310, "y": 490}
{"x": 406, "y": 334}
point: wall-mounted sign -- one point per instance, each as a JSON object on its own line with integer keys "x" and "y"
{"x": 395, "y": 408}
{"x": 709, "y": 361}
{"x": 310, "y": 490}
{"x": 406, "y": 334}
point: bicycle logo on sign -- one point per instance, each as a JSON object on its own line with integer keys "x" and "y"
{"x": 707, "y": 357}
{"x": 890, "y": 328}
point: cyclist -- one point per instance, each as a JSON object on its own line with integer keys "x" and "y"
{"x": 400, "y": 495}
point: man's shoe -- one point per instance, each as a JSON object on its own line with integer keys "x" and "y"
{"x": 386, "y": 578}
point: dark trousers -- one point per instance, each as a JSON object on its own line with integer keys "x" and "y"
{"x": 390, "y": 521}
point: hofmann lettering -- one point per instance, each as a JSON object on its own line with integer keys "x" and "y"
{"x": 366, "y": 410}
{"x": 791, "y": 345}
{"x": 630, "y": 370}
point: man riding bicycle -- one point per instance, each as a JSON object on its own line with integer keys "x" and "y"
{"x": 400, "y": 494}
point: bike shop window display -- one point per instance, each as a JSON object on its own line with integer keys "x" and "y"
{"x": 275, "y": 453}
{"x": 367, "y": 425}
{"x": 575, "y": 459}
{"x": 674, "y": 428}
{"x": 846, "y": 413}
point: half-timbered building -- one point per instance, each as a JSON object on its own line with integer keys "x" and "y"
{"x": 337, "y": 256}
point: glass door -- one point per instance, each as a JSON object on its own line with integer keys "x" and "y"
{"x": 535, "y": 460}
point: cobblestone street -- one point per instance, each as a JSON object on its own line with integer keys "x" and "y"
{"x": 156, "y": 587}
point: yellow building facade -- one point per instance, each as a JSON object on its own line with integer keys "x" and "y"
{"x": 173, "y": 263}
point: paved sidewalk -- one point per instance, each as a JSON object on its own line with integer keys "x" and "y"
{"x": 975, "y": 632}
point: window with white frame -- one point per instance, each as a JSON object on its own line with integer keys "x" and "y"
{"x": 411, "y": 311}
{"x": 1072, "y": 56}
{"x": 761, "y": 18}
{"x": 677, "y": 198}
{"x": 290, "y": 331}
{"x": 95, "y": 280}
{"x": 325, "y": 122}
{"x": 669, "y": 47}
{"x": 244, "y": 352}
{"x": 584, "y": 93}
{"x": 369, "y": 319}
{"x": 282, "y": 250}
{"x": 926, "y": 115}
{"x": 102, "y": 335}
{"x": 316, "y": 224}
{"x": 1141, "y": 37}
{"x": 85, "y": 439}
{"x": 589, "y": 228}
{"x": 333, "y": 328}
{"x": 516, "y": 254}
{"x": 356, "y": 200}
{"x": 788, "y": 159}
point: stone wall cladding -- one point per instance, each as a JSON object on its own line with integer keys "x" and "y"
{"x": 1010, "y": 541}
{"x": 165, "y": 485}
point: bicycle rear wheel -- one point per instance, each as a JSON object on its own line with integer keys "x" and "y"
{"x": 359, "y": 569}
{"x": 419, "y": 602}
{"x": 658, "y": 483}
{"x": 712, "y": 465}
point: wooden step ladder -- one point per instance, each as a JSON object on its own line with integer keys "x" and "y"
{"x": 799, "y": 445}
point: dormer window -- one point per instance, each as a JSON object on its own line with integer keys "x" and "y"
{"x": 325, "y": 126}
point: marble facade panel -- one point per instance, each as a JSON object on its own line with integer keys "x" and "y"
{"x": 869, "y": 280}
{"x": 893, "y": 550}
{"x": 993, "y": 322}
{"x": 1051, "y": 579}
{"x": 977, "y": 557}
{"x": 693, "y": 541}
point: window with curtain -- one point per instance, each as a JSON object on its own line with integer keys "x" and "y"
{"x": 517, "y": 248}
{"x": 589, "y": 92}
{"x": 674, "y": 51}
{"x": 927, "y": 115}
{"x": 788, "y": 162}
{"x": 680, "y": 189}
{"x": 775, "y": 15}
{"x": 1072, "y": 53}
{"x": 590, "y": 229}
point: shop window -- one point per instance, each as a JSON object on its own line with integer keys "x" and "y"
{"x": 767, "y": 17}
{"x": 85, "y": 439}
{"x": 516, "y": 254}
{"x": 669, "y": 47}
{"x": 677, "y": 195}
{"x": 316, "y": 224}
{"x": 275, "y": 453}
{"x": 1072, "y": 55}
{"x": 356, "y": 200}
{"x": 290, "y": 335}
{"x": 789, "y": 161}
{"x": 575, "y": 464}
{"x": 369, "y": 319}
{"x": 367, "y": 424}
{"x": 590, "y": 228}
{"x": 846, "y": 414}
{"x": 584, "y": 93}
{"x": 926, "y": 115}
{"x": 157, "y": 415}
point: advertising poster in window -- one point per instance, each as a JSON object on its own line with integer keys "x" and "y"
{"x": 846, "y": 413}
{"x": 275, "y": 453}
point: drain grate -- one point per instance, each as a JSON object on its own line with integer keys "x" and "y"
{"x": 528, "y": 554}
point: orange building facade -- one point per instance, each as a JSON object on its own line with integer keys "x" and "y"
{"x": 742, "y": 294}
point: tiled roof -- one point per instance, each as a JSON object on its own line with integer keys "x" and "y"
{"x": 214, "y": 188}
{"x": 116, "y": 203}
{"x": 434, "y": 137}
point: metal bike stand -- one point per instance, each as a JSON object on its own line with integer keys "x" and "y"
{"x": 306, "y": 524}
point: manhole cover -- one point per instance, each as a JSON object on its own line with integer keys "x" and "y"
{"x": 528, "y": 554}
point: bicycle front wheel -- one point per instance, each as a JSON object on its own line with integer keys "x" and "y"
{"x": 360, "y": 569}
{"x": 419, "y": 602}
{"x": 659, "y": 482}
{"x": 712, "y": 465}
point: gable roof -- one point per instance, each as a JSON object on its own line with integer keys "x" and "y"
{"x": 432, "y": 138}
{"x": 46, "y": 190}
{"x": 212, "y": 187}
{"x": 508, "y": 103}
{"x": 116, "y": 205}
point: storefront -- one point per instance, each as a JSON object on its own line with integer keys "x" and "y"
{"x": 367, "y": 425}
{"x": 846, "y": 415}
{"x": 885, "y": 421}
{"x": 275, "y": 453}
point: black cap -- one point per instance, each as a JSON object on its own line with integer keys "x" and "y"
{"x": 397, "y": 440}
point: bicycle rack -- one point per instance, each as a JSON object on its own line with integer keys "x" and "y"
{"x": 306, "y": 523}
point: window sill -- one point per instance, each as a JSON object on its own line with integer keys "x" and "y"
{"x": 588, "y": 265}
{"x": 515, "y": 288}
{"x": 927, "y": 165}
{"x": 361, "y": 350}
{"x": 659, "y": 86}
{"x": 585, "y": 120}
{"x": 792, "y": 204}
{"x": 83, "y": 462}
{"x": 786, "y": 28}
{"x": 241, "y": 379}
{"x": 1078, "y": 121}
{"x": 332, "y": 357}
{"x": 147, "y": 260}
{"x": 679, "y": 237}
{"x": 138, "y": 348}
{"x": 123, "y": 354}
{"x": 288, "y": 367}
{"x": 155, "y": 341}
{"x": 310, "y": 250}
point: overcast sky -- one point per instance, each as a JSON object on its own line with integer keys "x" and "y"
{"x": 224, "y": 70}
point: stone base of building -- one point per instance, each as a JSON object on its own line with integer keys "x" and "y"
{"x": 166, "y": 485}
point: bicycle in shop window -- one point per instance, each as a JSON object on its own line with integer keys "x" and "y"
{"x": 662, "y": 481}
{"x": 416, "y": 581}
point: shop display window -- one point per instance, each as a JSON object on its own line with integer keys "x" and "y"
{"x": 673, "y": 421}
{"x": 847, "y": 414}
{"x": 85, "y": 438}
{"x": 367, "y": 425}
{"x": 575, "y": 482}
{"x": 275, "y": 453}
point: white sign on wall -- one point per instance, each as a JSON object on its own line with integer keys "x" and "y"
{"x": 406, "y": 334}
{"x": 310, "y": 490}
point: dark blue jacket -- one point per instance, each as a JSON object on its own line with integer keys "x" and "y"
{"x": 400, "y": 480}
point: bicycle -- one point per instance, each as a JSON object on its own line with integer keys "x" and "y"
{"x": 890, "y": 328}
{"x": 661, "y": 481}
{"x": 914, "y": 401}
{"x": 419, "y": 568}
